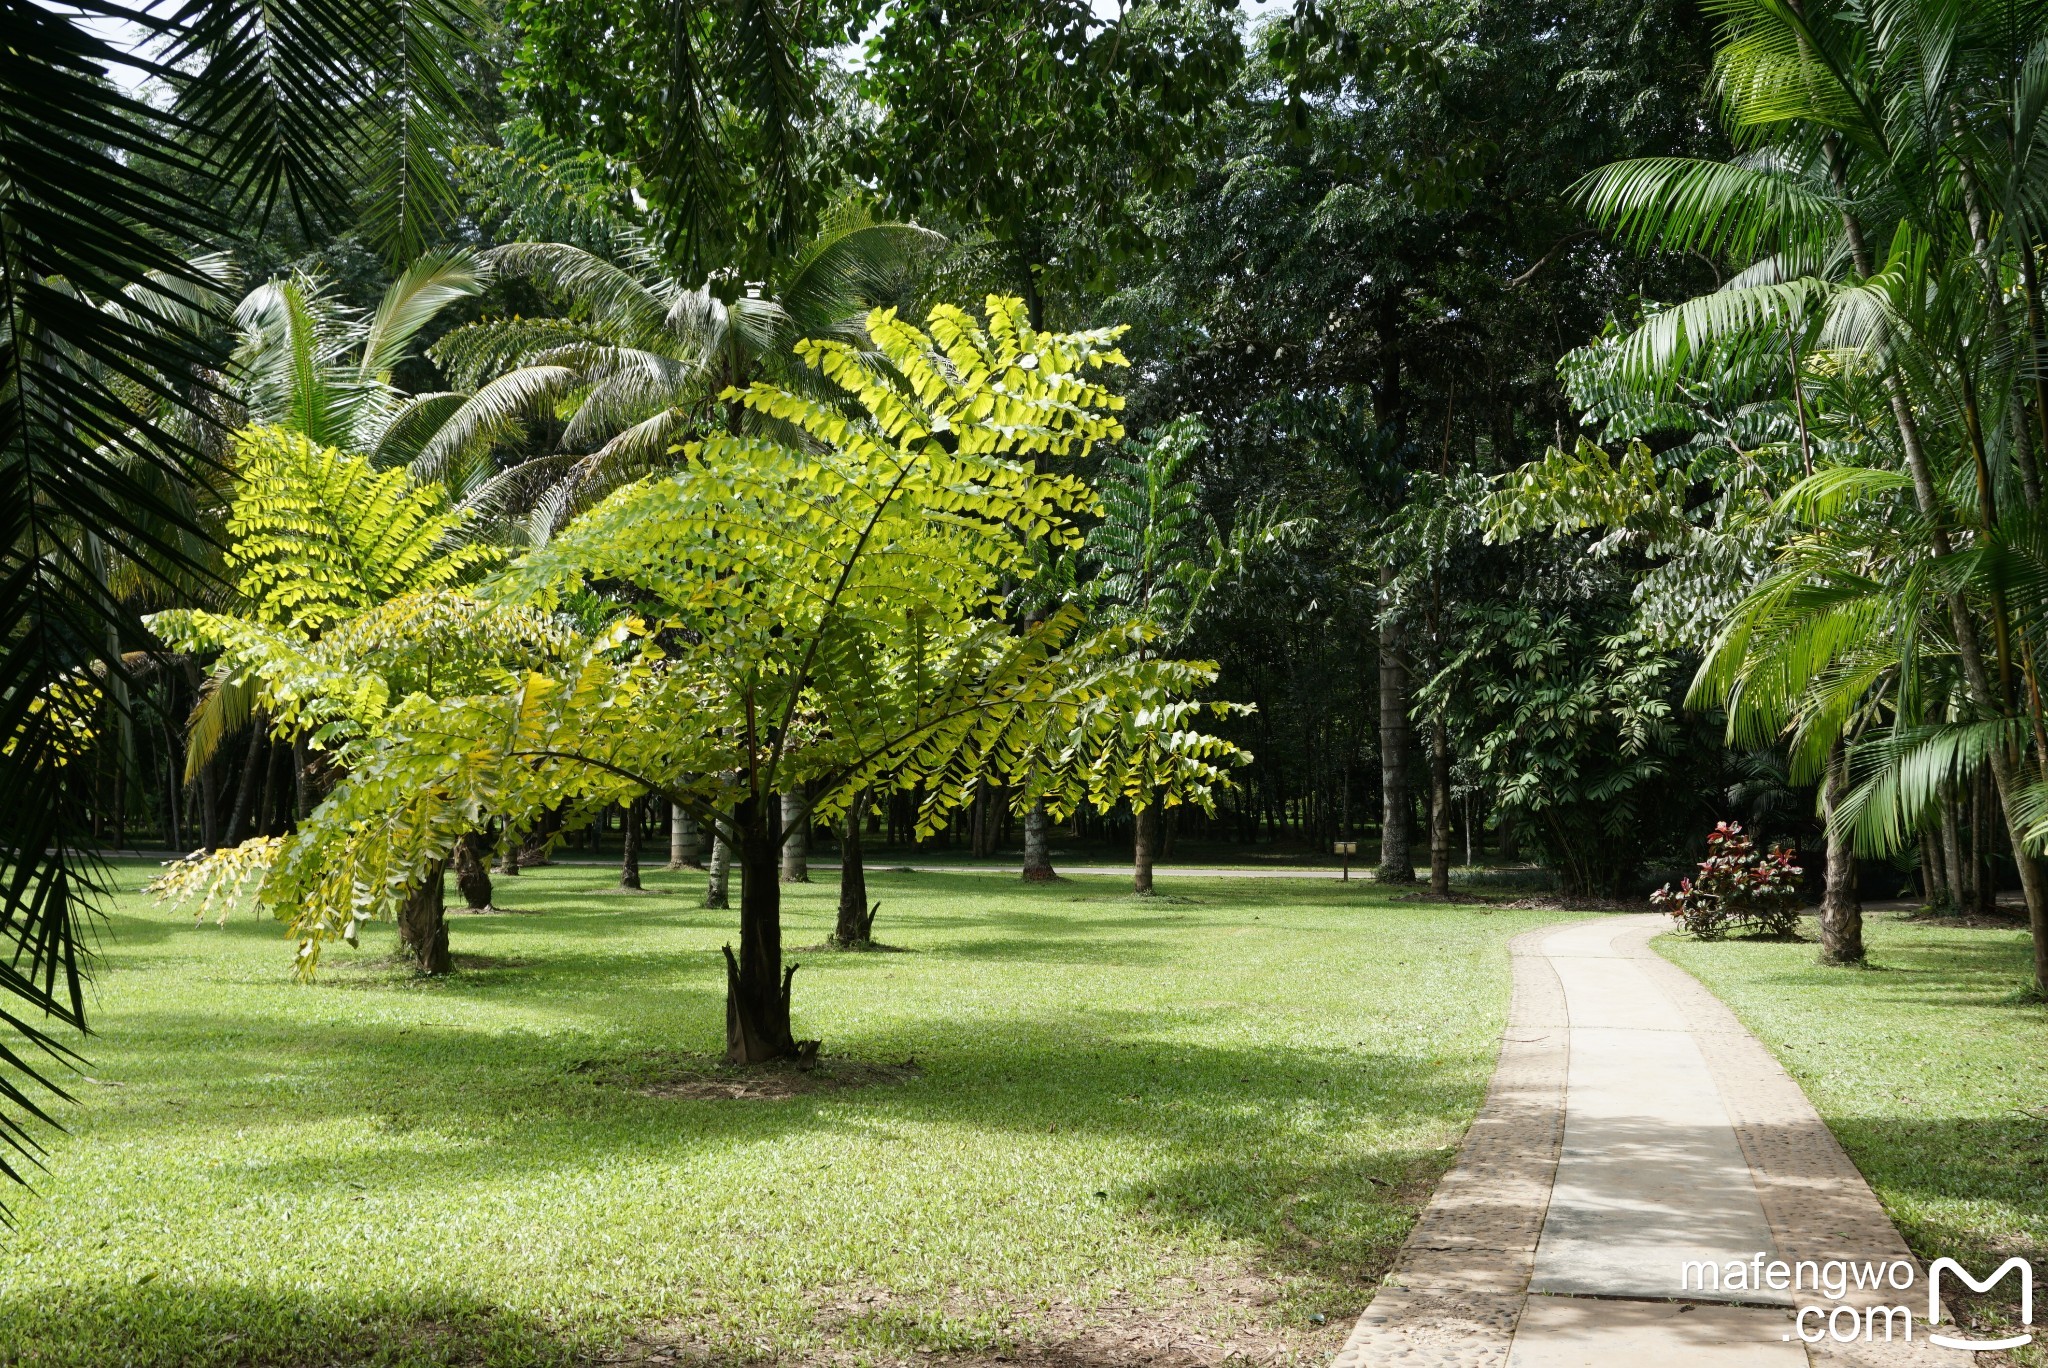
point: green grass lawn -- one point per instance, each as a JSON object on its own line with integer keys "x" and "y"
{"x": 1927, "y": 1065}
{"x": 1212, "y": 1114}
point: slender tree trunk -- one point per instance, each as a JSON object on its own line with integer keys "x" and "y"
{"x": 1933, "y": 882}
{"x": 1397, "y": 866}
{"x": 508, "y": 858}
{"x": 715, "y": 887}
{"x": 1144, "y": 846}
{"x": 423, "y": 923}
{"x": 629, "y": 846}
{"x": 1037, "y": 843}
{"x": 1983, "y": 870}
{"x": 266, "y": 806}
{"x": 1439, "y": 811}
{"x": 856, "y": 917}
{"x": 756, "y": 984}
{"x": 1952, "y": 852}
{"x": 796, "y": 848}
{"x": 473, "y": 872}
{"x": 209, "y": 775}
{"x": 1841, "y": 913}
{"x": 245, "y": 786}
{"x": 302, "y": 783}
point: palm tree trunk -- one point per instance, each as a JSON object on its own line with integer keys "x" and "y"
{"x": 856, "y": 917}
{"x": 209, "y": 776}
{"x": 1952, "y": 851}
{"x": 1841, "y": 913}
{"x": 245, "y": 787}
{"x": 266, "y": 806}
{"x": 796, "y": 848}
{"x": 629, "y": 846}
{"x": 1933, "y": 882}
{"x": 1038, "y": 844}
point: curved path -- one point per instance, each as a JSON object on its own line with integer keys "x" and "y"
{"x": 1632, "y": 1125}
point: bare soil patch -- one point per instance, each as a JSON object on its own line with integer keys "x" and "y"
{"x": 1223, "y": 1317}
{"x": 659, "y": 1073}
{"x": 1551, "y": 902}
{"x": 1453, "y": 899}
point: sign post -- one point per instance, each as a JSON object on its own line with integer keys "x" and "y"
{"x": 1347, "y": 849}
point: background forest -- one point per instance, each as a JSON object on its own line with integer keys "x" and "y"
{"x": 1567, "y": 424}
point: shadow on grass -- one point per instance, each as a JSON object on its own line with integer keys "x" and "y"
{"x": 1959, "y": 968}
{"x": 1249, "y": 1143}
{"x": 171, "y": 1321}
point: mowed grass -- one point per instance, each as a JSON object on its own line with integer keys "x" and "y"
{"x": 1928, "y": 1066}
{"x": 1117, "y": 1107}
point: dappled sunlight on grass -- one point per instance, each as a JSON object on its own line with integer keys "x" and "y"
{"x": 1928, "y": 1066}
{"x": 1110, "y": 1099}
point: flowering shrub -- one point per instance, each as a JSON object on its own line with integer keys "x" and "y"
{"x": 1736, "y": 887}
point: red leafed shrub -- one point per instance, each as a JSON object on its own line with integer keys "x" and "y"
{"x": 1737, "y": 887}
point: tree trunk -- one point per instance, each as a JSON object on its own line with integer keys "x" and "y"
{"x": 245, "y": 786}
{"x": 629, "y": 845}
{"x": 209, "y": 776}
{"x": 756, "y": 985}
{"x": 685, "y": 845}
{"x": 423, "y": 923}
{"x": 473, "y": 872}
{"x": 796, "y": 848}
{"x": 302, "y": 783}
{"x": 1983, "y": 887}
{"x": 508, "y": 858}
{"x": 1952, "y": 854}
{"x": 1439, "y": 811}
{"x": 1397, "y": 866}
{"x": 1841, "y": 914}
{"x": 1144, "y": 845}
{"x": 856, "y": 917}
{"x": 715, "y": 894}
{"x": 1038, "y": 844}
{"x": 266, "y": 806}
{"x": 1933, "y": 885}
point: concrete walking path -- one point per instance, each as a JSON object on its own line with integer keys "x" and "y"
{"x": 1632, "y": 1126}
